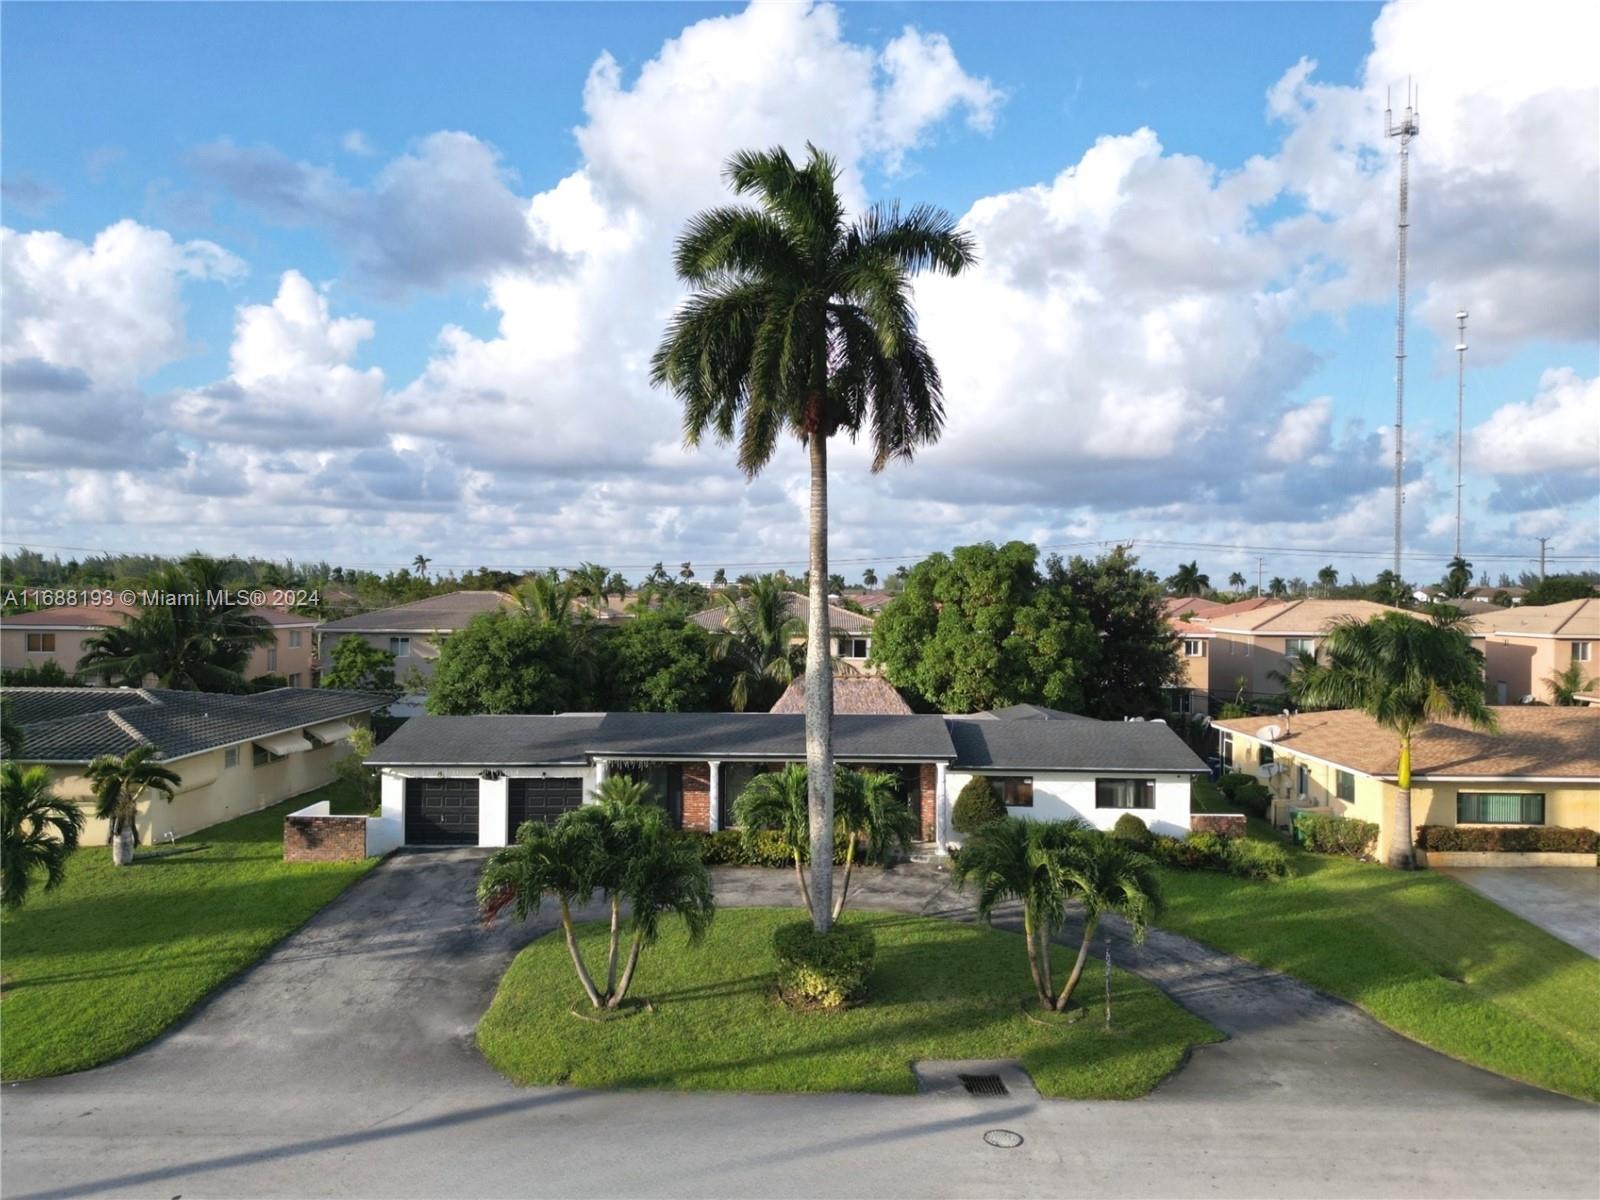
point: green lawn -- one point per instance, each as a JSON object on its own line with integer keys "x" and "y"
{"x": 940, "y": 990}
{"x": 1420, "y": 952}
{"x": 116, "y": 955}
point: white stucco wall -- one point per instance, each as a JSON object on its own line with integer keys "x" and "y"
{"x": 493, "y": 797}
{"x": 1061, "y": 795}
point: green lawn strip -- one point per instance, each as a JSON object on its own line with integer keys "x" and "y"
{"x": 116, "y": 955}
{"x": 1420, "y": 952}
{"x": 940, "y": 990}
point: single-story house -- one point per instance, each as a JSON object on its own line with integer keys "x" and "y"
{"x": 1542, "y": 767}
{"x": 235, "y": 754}
{"x": 471, "y": 781}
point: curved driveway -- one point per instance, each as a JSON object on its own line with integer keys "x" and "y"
{"x": 344, "y": 1065}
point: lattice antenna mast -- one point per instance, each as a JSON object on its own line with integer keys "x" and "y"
{"x": 1405, "y": 129}
{"x": 1461, "y": 392}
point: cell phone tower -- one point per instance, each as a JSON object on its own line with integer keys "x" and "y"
{"x": 1405, "y": 130}
{"x": 1461, "y": 392}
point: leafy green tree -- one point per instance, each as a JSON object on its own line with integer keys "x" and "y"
{"x": 976, "y": 629}
{"x": 1457, "y": 580}
{"x": 872, "y": 814}
{"x": 357, "y": 665}
{"x": 11, "y": 735}
{"x": 657, "y": 662}
{"x": 757, "y": 647}
{"x": 119, "y": 784}
{"x": 1389, "y": 588}
{"x": 1135, "y": 653}
{"x": 506, "y": 663}
{"x": 353, "y": 770}
{"x": 802, "y": 323}
{"x": 200, "y": 643}
{"x": 1188, "y": 580}
{"x": 777, "y": 801}
{"x": 38, "y": 831}
{"x": 1558, "y": 589}
{"x": 1566, "y": 685}
{"x": 1403, "y": 673}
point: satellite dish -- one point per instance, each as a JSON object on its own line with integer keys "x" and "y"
{"x": 1269, "y": 733}
{"x": 1205, "y": 720}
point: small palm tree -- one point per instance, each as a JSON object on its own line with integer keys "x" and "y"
{"x": 1106, "y": 875}
{"x": 759, "y": 642}
{"x": 1293, "y": 678}
{"x": 546, "y": 597}
{"x": 777, "y": 801}
{"x": 119, "y": 784}
{"x": 1566, "y": 685}
{"x": 869, "y": 810}
{"x": 802, "y": 323}
{"x": 1403, "y": 673}
{"x": 594, "y": 583}
{"x": 38, "y": 831}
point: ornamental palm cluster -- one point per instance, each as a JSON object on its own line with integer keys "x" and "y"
{"x": 38, "y": 831}
{"x": 758, "y": 642}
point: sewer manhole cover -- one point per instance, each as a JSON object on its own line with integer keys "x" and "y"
{"x": 1003, "y": 1139}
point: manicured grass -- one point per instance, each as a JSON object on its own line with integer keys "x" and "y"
{"x": 116, "y": 955}
{"x": 1421, "y": 953}
{"x": 940, "y": 990}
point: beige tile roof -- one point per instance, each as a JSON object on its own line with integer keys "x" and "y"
{"x": 1300, "y": 617}
{"x": 840, "y": 620}
{"x": 1572, "y": 619}
{"x": 1532, "y": 741}
{"x": 852, "y": 694}
{"x": 1176, "y": 606}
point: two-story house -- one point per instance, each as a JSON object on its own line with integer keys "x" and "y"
{"x": 850, "y": 633}
{"x": 1525, "y": 646}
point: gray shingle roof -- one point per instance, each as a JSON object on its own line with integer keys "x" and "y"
{"x": 115, "y": 720}
{"x": 1090, "y": 745}
{"x": 490, "y": 741}
{"x": 446, "y": 613}
{"x": 1032, "y": 712}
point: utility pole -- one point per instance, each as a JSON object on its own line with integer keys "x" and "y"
{"x": 1542, "y": 542}
{"x": 1405, "y": 131}
{"x": 1461, "y": 391}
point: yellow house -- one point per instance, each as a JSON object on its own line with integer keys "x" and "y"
{"x": 1524, "y": 646}
{"x": 1542, "y": 767}
{"x": 235, "y": 754}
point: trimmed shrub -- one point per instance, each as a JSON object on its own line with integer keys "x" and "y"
{"x": 1253, "y": 798}
{"x": 1132, "y": 830}
{"x": 1231, "y": 781}
{"x": 765, "y": 848}
{"x": 976, "y": 805}
{"x": 1250, "y": 859}
{"x": 1323, "y": 834}
{"x": 1243, "y": 857}
{"x": 824, "y": 970}
{"x": 1524, "y": 839}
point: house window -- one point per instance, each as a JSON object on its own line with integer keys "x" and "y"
{"x": 1302, "y": 781}
{"x": 272, "y": 659}
{"x": 1181, "y": 701}
{"x": 294, "y": 639}
{"x": 230, "y": 757}
{"x": 1194, "y": 648}
{"x": 1124, "y": 793}
{"x": 853, "y": 647}
{"x": 1265, "y": 755}
{"x": 1015, "y": 791}
{"x": 260, "y": 756}
{"x": 1500, "y": 808}
{"x": 1581, "y": 651}
{"x": 400, "y": 647}
{"x": 1301, "y": 645}
{"x": 41, "y": 643}
{"x": 1226, "y": 746}
{"x": 1345, "y": 786}
{"x": 294, "y": 679}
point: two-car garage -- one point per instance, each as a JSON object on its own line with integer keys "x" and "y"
{"x": 445, "y": 812}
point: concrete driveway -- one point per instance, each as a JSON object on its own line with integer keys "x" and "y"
{"x": 1564, "y": 901}
{"x": 343, "y": 1065}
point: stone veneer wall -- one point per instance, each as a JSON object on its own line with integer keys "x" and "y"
{"x": 324, "y": 839}
{"x": 697, "y": 796}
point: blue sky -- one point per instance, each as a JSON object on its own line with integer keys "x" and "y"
{"x": 116, "y": 112}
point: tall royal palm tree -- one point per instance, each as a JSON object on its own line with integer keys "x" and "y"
{"x": 1457, "y": 580}
{"x": 1188, "y": 580}
{"x": 1277, "y": 587}
{"x": 38, "y": 831}
{"x": 119, "y": 784}
{"x": 1237, "y": 580}
{"x": 758, "y": 640}
{"x": 801, "y": 322}
{"x": 593, "y": 583}
{"x": 420, "y": 562}
{"x": 199, "y": 642}
{"x": 1403, "y": 672}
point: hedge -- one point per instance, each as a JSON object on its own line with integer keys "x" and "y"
{"x": 1323, "y": 834}
{"x": 1515, "y": 839}
{"x": 1246, "y": 791}
{"x": 728, "y": 848}
{"x": 1244, "y": 857}
{"x": 826, "y": 970}
{"x": 1129, "y": 828}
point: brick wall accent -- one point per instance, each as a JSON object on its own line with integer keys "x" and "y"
{"x": 697, "y": 796}
{"x": 928, "y": 800}
{"x": 1223, "y": 824}
{"x": 324, "y": 839}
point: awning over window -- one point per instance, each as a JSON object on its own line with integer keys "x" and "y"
{"x": 332, "y": 731}
{"x": 285, "y": 743}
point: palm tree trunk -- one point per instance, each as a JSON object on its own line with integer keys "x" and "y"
{"x": 1399, "y": 855}
{"x": 577, "y": 959}
{"x": 611, "y": 951}
{"x": 819, "y": 684}
{"x": 1045, "y": 969}
{"x": 1090, "y": 920}
{"x": 849, "y": 866}
{"x": 805, "y": 892}
{"x": 1041, "y": 983}
{"x": 627, "y": 972}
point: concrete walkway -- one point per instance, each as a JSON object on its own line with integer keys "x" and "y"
{"x": 344, "y": 1065}
{"x": 1564, "y": 901}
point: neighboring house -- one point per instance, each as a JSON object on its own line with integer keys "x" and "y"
{"x": 849, "y": 632}
{"x": 1192, "y": 694}
{"x": 1189, "y": 606}
{"x": 235, "y": 754}
{"x": 872, "y": 601}
{"x": 1541, "y": 768}
{"x": 472, "y": 781}
{"x": 58, "y": 635}
{"x": 852, "y": 694}
{"x": 1524, "y": 646}
{"x": 413, "y": 633}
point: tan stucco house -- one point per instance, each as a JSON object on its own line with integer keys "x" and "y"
{"x": 235, "y": 754}
{"x": 850, "y": 633}
{"x": 1542, "y": 767}
{"x": 1524, "y": 646}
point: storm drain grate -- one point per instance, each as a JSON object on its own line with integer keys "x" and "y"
{"x": 983, "y": 1085}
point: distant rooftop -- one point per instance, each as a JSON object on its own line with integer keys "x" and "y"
{"x": 840, "y": 620}
{"x": 851, "y": 694}
{"x": 447, "y": 613}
